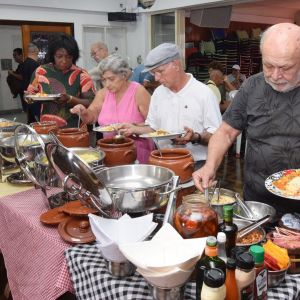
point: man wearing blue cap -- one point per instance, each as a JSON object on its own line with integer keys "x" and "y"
{"x": 180, "y": 103}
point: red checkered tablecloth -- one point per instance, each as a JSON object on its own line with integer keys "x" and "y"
{"x": 33, "y": 253}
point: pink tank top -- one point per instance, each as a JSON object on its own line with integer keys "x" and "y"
{"x": 126, "y": 111}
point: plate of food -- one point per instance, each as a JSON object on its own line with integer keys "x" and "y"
{"x": 162, "y": 134}
{"x": 285, "y": 184}
{"x": 107, "y": 128}
{"x": 43, "y": 97}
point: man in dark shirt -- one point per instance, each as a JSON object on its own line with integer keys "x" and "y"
{"x": 268, "y": 107}
{"x": 27, "y": 69}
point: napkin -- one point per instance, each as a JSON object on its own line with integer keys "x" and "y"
{"x": 110, "y": 233}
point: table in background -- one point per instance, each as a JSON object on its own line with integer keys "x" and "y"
{"x": 91, "y": 280}
{"x": 33, "y": 253}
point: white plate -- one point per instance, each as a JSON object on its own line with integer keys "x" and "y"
{"x": 169, "y": 136}
{"x": 106, "y": 128}
{"x": 269, "y": 184}
{"x": 49, "y": 97}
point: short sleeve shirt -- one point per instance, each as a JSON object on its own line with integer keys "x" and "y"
{"x": 272, "y": 122}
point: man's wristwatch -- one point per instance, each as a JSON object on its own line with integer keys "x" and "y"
{"x": 198, "y": 138}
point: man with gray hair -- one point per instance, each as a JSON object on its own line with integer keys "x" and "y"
{"x": 28, "y": 67}
{"x": 99, "y": 51}
{"x": 179, "y": 104}
{"x": 268, "y": 107}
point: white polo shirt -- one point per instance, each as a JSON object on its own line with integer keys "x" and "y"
{"x": 194, "y": 106}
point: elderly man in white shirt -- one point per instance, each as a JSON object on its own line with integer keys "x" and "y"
{"x": 180, "y": 103}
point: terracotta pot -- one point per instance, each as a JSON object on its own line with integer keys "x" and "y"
{"x": 73, "y": 137}
{"x": 118, "y": 154}
{"x": 178, "y": 160}
{"x": 44, "y": 127}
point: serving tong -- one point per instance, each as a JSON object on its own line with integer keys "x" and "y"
{"x": 251, "y": 227}
{"x": 247, "y": 210}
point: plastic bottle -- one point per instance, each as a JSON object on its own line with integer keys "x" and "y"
{"x": 245, "y": 275}
{"x": 209, "y": 261}
{"x": 221, "y": 238}
{"x": 229, "y": 228}
{"x": 232, "y": 292}
{"x": 213, "y": 285}
{"x": 261, "y": 280}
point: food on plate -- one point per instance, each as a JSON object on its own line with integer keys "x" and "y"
{"x": 288, "y": 239}
{"x": 223, "y": 199}
{"x": 289, "y": 183}
{"x": 6, "y": 124}
{"x": 276, "y": 258}
{"x": 87, "y": 157}
{"x": 108, "y": 128}
{"x": 40, "y": 95}
{"x": 159, "y": 132}
{"x": 251, "y": 238}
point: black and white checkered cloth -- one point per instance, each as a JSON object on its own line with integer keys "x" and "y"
{"x": 91, "y": 280}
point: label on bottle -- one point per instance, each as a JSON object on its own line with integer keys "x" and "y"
{"x": 262, "y": 284}
{"x": 247, "y": 292}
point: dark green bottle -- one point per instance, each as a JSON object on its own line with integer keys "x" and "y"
{"x": 210, "y": 260}
{"x": 229, "y": 228}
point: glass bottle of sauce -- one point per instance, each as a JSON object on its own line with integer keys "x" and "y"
{"x": 232, "y": 292}
{"x": 229, "y": 228}
{"x": 261, "y": 280}
{"x": 209, "y": 261}
{"x": 213, "y": 285}
{"x": 245, "y": 275}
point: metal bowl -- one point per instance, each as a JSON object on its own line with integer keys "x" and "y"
{"x": 259, "y": 210}
{"x": 243, "y": 223}
{"x": 218, "y": 207}
{"x": 276, "y": 277}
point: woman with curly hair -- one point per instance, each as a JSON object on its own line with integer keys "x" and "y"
{"x": 61, "y": 76}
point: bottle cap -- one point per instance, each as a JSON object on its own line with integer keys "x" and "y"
{"x": 230, "y": 264}
{"x": 258, "y": 253}
{"x": 244, "y": 261}
{"x": 228, "y": 210}
{"x": 221, "y": 237}
{"x": 214, "y": 277}
{"x": 211, "y": 241}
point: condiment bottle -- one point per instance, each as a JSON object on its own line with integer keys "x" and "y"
{"x": 232, "y": 292}
{"x": 245, "y": 275}
{"x": 261, "y": 280}
{"x": 213, "y": 286}
{"x": 221, "y": 239}
{"x": 210, "y": 260}
{"x": 229, "y": 228}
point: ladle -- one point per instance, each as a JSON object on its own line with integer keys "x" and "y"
{"x": 78, "y": 120}
{"x": 157, "y": 146}
{"x": 244, "y": 206}
{"x": 118, "y": 138}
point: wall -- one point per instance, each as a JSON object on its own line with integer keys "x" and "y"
{"x": 88, "y": 12}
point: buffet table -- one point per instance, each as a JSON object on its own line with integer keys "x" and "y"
{"x": 91, "y": 280}
{"x": 33, "y": 253}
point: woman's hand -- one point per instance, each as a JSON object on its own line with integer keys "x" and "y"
{"x": 64, "y": 98}
{"x": 78, "y": 109}
{"x": 127, "y": 129}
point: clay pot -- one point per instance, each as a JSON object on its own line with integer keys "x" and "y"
{"x": 177, "y": 159}
{"x": 44, "y": 127}
{"x": 118, "y": 154}
{"x": 73, "y": 137}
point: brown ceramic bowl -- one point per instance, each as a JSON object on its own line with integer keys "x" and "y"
{"x": 44, "y": 127}
{"x": 117, "y": 154}
{"x": 73, "y": 137}
{"x": 180, "y": 161}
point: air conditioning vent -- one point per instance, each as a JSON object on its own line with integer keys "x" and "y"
{"x": 121, "y": 17}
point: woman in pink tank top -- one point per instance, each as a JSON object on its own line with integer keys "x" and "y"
{"x": 120, "y": 101}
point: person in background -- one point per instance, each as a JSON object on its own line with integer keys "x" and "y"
{"x": 14, "y": 78}
{"x": 99, "y": 51}
{"x": 216, "y": 78}
{"x": 268, "y": 105}
{"x": 120, "y": 101}
{"x": 236, "y": 78}
{"x": 180, "y": 103}
{"x": 28, "y": 67}
{"x": 61, "y": 76}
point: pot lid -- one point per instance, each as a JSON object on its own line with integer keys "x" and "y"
{"x": 78, "y": 178}
{"x": 53, "y": 216}
{"x": 75, "y": 208}
{"x": 28, "y": 144}
{"x": 76, "y": 230}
